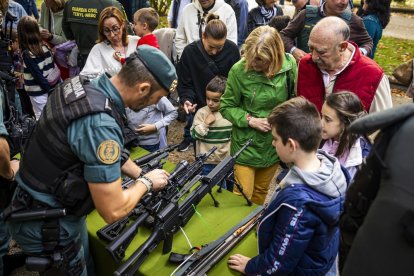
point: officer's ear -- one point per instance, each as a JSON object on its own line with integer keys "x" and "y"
{"x": 143, "y": 88}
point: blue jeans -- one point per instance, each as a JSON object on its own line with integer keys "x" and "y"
{"x": 187, "y": 132}
{"x": 207, "y": 168}
{"x": 4, "y": 241}
{"x": 151, "y": 148}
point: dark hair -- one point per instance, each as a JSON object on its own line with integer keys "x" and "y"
{"x": 149, "y": 16}
{"x": 28, "y": 33}
{"x": 299, "y": 120}
{"x": 260, "y": 2}
{"x": 279, "y": 22}
{"x": 14, "y": 35}
{"x": 217, "y": 84}
{"x": 134, "y": 71}
{"x": 215, "y": 28}
{"x": 348, "y": 108}
{"x": 114, "y": 12}
{"x": 380, "y": 8}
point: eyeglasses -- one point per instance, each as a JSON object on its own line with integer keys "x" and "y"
{"x": 114, "y": 30}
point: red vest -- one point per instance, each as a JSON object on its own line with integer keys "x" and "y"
{"x": 362, "y": 76}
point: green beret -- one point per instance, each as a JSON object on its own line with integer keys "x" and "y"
{"x": 159, "y": 65}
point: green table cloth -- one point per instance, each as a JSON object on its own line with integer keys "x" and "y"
{"x": 206, "y": 225}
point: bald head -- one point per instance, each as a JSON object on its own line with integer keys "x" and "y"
{"x": 328, "y": 43}
{"x": 330, "y": 29}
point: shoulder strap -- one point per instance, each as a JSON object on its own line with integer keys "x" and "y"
{"x": 211, "y": 63}
{"x": 346, "y": 15}
{"x": 311, "y": 11}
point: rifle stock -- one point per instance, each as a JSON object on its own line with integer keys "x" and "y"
{"x": 212, "y": 253}
{"x": 174, "y": 215}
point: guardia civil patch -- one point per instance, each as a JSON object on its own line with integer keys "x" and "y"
{"x": 108, "y": 152}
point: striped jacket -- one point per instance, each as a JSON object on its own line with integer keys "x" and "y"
{"x": 217, "y": 134}
{"x": 35, "y": 70}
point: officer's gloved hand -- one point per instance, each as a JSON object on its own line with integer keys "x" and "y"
{"x": 159, "y": 179}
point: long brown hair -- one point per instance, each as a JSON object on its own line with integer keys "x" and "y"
{"x": 28, "y": 33}
{"x": 348, "y": 108}
{"x": 114, "y": 12}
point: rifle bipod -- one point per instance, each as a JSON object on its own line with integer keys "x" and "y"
{"x": 230, "y": 178}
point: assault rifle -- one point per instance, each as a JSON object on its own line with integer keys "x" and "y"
{"x": 155, "y": 163}
{"x": 150, "y": 204}
{"x": 148, "y": 157}
{"x": 174, "y": 215}
{"x": 149, "y": 162}
{"x": 212, "y": 253}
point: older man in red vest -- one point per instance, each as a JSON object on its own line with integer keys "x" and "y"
{"x": 336, "y": 64}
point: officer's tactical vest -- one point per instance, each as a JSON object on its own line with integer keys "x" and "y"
{"x": 50, "y": 165}
{"x": 311, "y": 18}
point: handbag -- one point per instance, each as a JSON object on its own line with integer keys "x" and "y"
{"x": 54, "y": 75}
{"x": 404, "y": 73}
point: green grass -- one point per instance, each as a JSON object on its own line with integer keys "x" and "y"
{"x": 391, "y": 52}
{"x": 395, "y": 4}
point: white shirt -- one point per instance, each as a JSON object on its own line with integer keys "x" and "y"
{"x": 101, "y": 60}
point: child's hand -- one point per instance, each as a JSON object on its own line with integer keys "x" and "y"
{"x": 238, "y": 262}
{"x": 210, "y": 119}
{"x": 146, "y": 129}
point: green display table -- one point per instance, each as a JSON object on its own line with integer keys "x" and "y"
{"x": 208, "y": 224}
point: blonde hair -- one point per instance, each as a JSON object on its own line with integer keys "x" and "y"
{"x": 114, "y": 12}
{"x": 149, "y": 16}
{"x": 265, "y": 43}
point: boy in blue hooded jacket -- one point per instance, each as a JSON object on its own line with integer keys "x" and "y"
{"x": 299, "y": 233}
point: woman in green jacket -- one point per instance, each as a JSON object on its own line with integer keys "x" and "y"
{"x": 263, "y": 79}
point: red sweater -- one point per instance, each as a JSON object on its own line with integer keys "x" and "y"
{"x": 149, "y": 39}
{"x": 362, "y": 76}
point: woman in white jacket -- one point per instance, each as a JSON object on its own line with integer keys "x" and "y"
{"x": 193, "y": 22}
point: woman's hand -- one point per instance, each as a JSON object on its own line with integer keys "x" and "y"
{"x": 189, "y": 107}
{"x": 45, "y": 34}
{"x": 261, "y": 124}
{"x": 238, "y": 262}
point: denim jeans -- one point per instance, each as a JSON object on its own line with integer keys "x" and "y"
{"x": 151, "y": 148}
{"x": 207, "y": 168}
{"x": 187, "y": 132}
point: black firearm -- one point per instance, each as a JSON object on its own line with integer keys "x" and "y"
{"x": 120, "y": 237}
{"x": 111, "y": 231}
{"x": 212, "y": 253}
{"x": 153, "y": 164}
{"x": 150, "y": 162}
{"x": 174, "y": 215}
{"x": 148, "y": 157}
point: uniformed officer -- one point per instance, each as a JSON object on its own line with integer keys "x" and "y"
{"x": 80, "y": 23}
{"x": 75, "y": 150}
{"x": 8, "y": 170}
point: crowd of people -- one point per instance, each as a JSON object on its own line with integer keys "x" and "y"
{"x": 89, "y": 75}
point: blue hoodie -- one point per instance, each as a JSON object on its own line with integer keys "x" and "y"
{"x": 299, "y": 232}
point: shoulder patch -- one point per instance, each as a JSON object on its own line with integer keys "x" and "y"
{"x": 108, "y": 152}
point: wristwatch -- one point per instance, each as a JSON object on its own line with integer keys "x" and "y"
{"x": 147, "y": 182}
